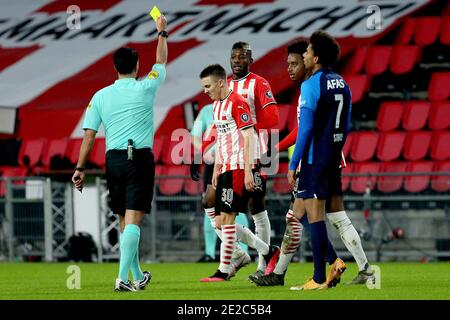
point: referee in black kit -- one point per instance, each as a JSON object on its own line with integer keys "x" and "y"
{"x": 126, "y": 110}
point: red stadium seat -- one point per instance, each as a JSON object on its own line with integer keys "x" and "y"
{"x": 359, "y": 184}
{"x": 426, "y": 30}
{"x": 280, "y": 184}
{"x": 417, "y": 144}
{"x": 176, "y": 151}
{"x": 439, "y": 88}
{"x": 441, "y": 183}
{"x": 170, "y": 186}
{"x": 403, "y": 58}
{"x": 346, "y": 179}
{"x": 444, "y": 35}
{"x": 158, "y": 144}
{"x": 394, "y": 183}
{"x": 356, "y": 61}
{"x": 283, "y": 112}
{"x": 11, "y": 172}
{"x": 31, "y": 150}
{"x": 348, "y": 144}
{"x": 377, "y": 59}
{"x": 73, "y": 150}
{"x": 358, "y": 86}
{"x": 439, "y": 118}
{"x": 363, "y": 145}
{"x": 406, "y": 32}
{"x": 98, "y": 153}
{"x": 440, "y": 145}
{"x": 55, "y": 147}
{"x": 416, "y": 183}
{"x": 415, "y": 115}
{"x": 390, "y": 145}
{"x": 390, "y": 115}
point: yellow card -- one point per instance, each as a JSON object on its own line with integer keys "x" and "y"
{"x": 155, "y": 13}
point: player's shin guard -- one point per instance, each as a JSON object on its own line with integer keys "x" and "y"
{"x": 227, "y": 247}
{"x": 291, "y": 242}
{"x": 246, "y": 236}
{"x": 262, "y": 231}
{"x": 349, "y": 236}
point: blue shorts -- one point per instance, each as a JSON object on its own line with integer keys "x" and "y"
{"x": 318, "y": 182}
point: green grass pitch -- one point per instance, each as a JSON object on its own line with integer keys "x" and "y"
{"x": 180, "y": 281}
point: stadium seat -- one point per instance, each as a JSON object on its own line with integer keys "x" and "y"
{"x": 31, "y": 151}
{"x": 364, "y": 145}
{"x": 11, "y": 172}
{"x": 73, "y": 150}
{"x": 391, "y": 183}
{"x": 356, "y": 62}
{"x": 280, "y": 184}
{"x": 55, "y": 147}
{"x": 439, "y": 118}
{"x": 416, "y": 146}
{"x": 348, "y": 144}
{"x": 378, "y": 58}
{"x": 439, "y": 88}
{"x": 390, "y": 145}
{"x": 346, "y": 179}
{"x": 415, "y": 115}
{"x": 403, "y": 58}
{"x": 158, "y": 144}
{"x": 444, "y": 35}
{"x": 390, "y": 115}
{"x": 176, "y": 151}
{"x": 426, "y": 30}
{"x": 171, "y": 186}
{"x": 360, "y": 183}
{"x": 440, "y": 145}
{"x": 283, "y": 112}
{"x": 358, "y": 86}
{"x": 98, "y": 153}
{"x": 441, "y": 183}
{"x": 406, "y": 32}
{"x": 418, "y": 183}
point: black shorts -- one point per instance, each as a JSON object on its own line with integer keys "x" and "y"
{"x": 231, "y": 194}
{"x": 319, "y": 182}
{"x": 207, "y": 175}
{"x": 130, "y": 182}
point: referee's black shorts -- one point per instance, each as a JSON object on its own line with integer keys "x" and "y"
{"x": 130, "y": 182}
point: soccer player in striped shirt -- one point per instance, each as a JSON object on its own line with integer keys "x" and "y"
{"x": 264, "y": 113}
{"x": 236, "y": 176}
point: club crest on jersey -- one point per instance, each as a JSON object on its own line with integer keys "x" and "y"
{"x": 153, "y": 74}
{"x": 245, "y": 117}
{"x": 269, "y": 94}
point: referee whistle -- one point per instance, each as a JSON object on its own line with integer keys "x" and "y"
{"x": 130, "y": 149}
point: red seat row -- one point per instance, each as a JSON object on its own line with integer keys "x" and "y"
{"x": 388, "y": 146}
{"x": 424, "y": 31}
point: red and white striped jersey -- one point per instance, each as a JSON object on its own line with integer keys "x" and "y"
{"x": 257, "y": 92}
{"x": 231, "y": 115}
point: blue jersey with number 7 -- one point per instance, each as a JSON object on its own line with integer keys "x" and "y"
{"x": 324, "y": 120}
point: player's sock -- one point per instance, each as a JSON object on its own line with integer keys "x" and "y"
{"x": 242, "y": 219}
{"x": 128, "y": 246}
{"x": 227, "y": 247}
{"x": 349, "y": 236}
{"x": 246, "y": 235}
{"x": 331, "y": 253}
{"x": 319, "y": 239}
{"x": 135, "y": 268}
{"x": 237, "y": 252}
{"x": 262, "y": 231}
{"x": 209, "y": 233}
{"x": 291, "y": 242}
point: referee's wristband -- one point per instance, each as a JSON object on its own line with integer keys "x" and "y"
{"x": 163, "y": 34}
{"x": 81, "y": 169}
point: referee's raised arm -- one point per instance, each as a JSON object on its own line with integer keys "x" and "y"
{"x": 161, "y": 49}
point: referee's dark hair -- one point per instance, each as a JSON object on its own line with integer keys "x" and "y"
{"x": 298, "y": 47}
{"x": 215, "y": 70}
{"x": 125, "y": 60}
{"x": 325, "y": 47}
